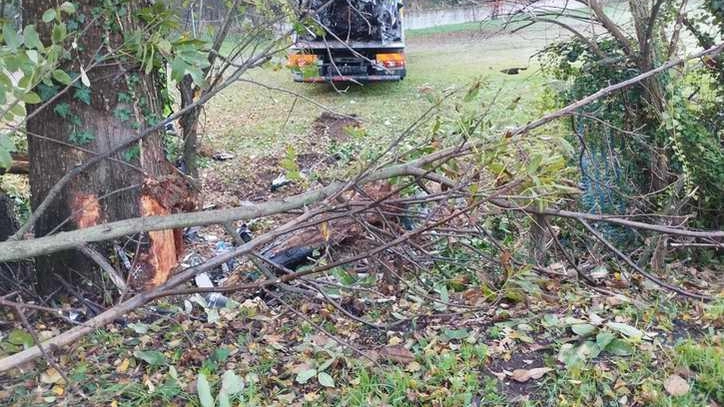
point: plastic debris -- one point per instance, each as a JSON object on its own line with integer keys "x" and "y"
{"x": 214, "y": 300}
{"x": 222, "y": 156}
{"x": 279, "y": 182}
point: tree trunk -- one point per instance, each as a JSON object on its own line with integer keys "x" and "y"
{"x": 122, "y": 98}
{"x": 189, "y": 123}
{"x": 8, "y": 220}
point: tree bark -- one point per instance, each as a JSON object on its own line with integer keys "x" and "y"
{"x": 89, "y": 199}
{"x": 8, "y": 220}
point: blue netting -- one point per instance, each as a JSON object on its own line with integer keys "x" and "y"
{"x": 602, "y": 178}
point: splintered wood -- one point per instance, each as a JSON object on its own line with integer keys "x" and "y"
{"x": 86, "y": 210}
{"x": 170, "y": 194}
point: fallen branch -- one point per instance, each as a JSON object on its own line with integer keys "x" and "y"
{"x": 74, "y": 239}
{"x": 613, "y": 219}
{"x": 15, "y": 250}
{"x": 101, "y": 261}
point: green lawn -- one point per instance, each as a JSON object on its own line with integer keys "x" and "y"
{"x": 251, "y": 120}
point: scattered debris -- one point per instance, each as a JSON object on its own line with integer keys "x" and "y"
{"x": 513, "y": 71}
{"x": 214, "y": 300}
{"x": 279, "y": 182}
{"x": 297, "y": 249}
{"x": 222, "y": 156}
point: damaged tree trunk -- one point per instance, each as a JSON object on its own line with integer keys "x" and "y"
{"x": 120, "y": 99}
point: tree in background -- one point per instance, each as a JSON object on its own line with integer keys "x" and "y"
{"x": 652, "y": 148}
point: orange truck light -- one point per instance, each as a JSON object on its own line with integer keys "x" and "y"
{"x": 301, "y": 60}
{"x": 393, "y": 60}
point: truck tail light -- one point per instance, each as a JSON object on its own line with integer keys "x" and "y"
{"x": 300, "y": 60}
{"x": 393, "y": 60}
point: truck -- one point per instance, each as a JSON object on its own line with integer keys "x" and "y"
{"x": 350, "y": 41}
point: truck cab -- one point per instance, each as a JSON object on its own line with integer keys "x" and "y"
{"x": 356, "y": 41}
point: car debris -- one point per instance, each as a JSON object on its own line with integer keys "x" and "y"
{"x": 279, "y": 182}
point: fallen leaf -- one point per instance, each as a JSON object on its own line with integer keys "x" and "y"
{"x": 523, "y": 375}
{"x": 625, "y": 329}
{"x": 311, "y": 396}
{"x": 51, "y": 376}
{"x": 152, "y": 357}
{"x": 58, "y": 390}
{"x": 397, "y": 353}
{"x": 123, "y": 366}
{"x": 325, "y": 379}
{"x": 203, "y": 389}
{"x": 675, "y": 385}
{"x": 395, "y": 340}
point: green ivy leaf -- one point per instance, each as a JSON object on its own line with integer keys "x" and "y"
{"x": 46, "y": 92}
{"x": 456, "y": 333}
{"x": 62, "y": 77}
{"x": 11, "y": 38}
{"x": 49, "y": 15}
{"x": 620, "y": 347}
{"x": 304, "y": 376}
{"x": 83, "y": 94}
{"x": 604, "y": 338}
{"x": 583, "y": 329}
{"x": 625, "y": 329}
{"x": 152, "y": 357}
{"x": 20, "y": 337}
{"x": 325, "y": 379}
{"x": 32, "y": 39}
{"x": 62, "y": 110}
{"x": 81, "y": 137}
{"x": 204, "y": 390}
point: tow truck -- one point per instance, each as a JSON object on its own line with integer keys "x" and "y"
{"x": 354, "y": 41}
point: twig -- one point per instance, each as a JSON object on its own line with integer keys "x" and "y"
{"x": 101, "y": 261}
{"x": 51, "y": 361}
{"x": 641, "y": 271}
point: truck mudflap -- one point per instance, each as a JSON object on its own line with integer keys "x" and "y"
{"x": 350, "y": 78}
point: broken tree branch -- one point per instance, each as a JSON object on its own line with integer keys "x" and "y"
{"x": 13, "y": 250}
{"x": 101, "y": 261}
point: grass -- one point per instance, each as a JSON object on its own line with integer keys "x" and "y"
{"x": 254, "y": 121}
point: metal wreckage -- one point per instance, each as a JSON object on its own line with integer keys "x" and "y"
{"x": 354, "y": 41}
{"x": 360, "y": 20}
